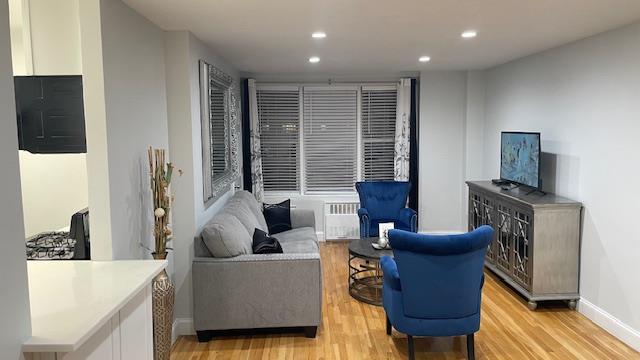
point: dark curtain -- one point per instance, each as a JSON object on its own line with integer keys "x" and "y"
{"x": 246, "y": 142}
{"x": 414, "y": 128}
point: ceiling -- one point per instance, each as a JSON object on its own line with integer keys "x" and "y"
{"x": 273, "y": 37}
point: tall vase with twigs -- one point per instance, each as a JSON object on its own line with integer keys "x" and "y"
{"x": 160, "y": 176}
{"x": 163, "y": 291}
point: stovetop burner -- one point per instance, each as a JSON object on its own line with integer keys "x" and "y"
{"x": 50, "y": 245}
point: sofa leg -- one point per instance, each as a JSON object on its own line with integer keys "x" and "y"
{"x": 388, "y": 326}
{"x": 412, "y": 352}
{"x": 310, "y": 331}
{"x": 204, "y": 336}
{"x": 471, "y": 348}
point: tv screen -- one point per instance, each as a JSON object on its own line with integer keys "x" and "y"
{"x": 520, "y": 158}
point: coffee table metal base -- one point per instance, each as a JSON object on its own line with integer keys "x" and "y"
{"x": 365, "y": 280}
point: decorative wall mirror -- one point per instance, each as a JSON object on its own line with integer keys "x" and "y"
{"x": 219, "y": 122}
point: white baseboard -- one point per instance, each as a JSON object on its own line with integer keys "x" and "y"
{"x": 610, "y": 323}
{"x": 320, "y": 235}
{"x": 182, "y": 327}
{"x": 174, "y": 334}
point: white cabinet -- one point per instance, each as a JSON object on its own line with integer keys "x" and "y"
{"x": 91, "y": 310}
{"x": 127, "y": 335}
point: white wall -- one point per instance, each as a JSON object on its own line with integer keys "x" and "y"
{"x": 15, "y": 326}
{"x": 136, "y": 105}
{"x": 55, "y": 37}
{"x": 473, "y": 131}
{"x": 17, "y": 23}
{"x": 585, "y": 100}
{"x": 126, "y": 111}
{"x": 54, "y": 187}
{"x": 45, "y": 37}
{"x": 442, "y": 139}
{"x": 183, "y": 51}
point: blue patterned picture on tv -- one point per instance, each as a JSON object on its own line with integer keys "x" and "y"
{"x": 520, "y": 158}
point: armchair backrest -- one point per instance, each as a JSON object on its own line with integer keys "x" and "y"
{"x": 383, "y": 199}
{"x": 441, "y": 275}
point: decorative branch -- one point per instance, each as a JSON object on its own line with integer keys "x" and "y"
{"x": 160, "y": 173}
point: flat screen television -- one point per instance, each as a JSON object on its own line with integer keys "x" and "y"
{"x": 520, "y": 158}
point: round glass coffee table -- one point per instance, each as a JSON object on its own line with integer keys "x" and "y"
{"x": 365, "y": 276}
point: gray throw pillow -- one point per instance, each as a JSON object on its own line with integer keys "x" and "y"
{"x": 255, "y": 207}
{"x": 225, "y": 236}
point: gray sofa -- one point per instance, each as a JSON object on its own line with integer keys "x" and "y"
{"x": 234, "y": 289}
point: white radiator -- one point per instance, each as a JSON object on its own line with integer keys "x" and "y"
{"x": 341, "y": 220}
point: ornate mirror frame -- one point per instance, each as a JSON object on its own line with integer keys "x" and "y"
{"x": 215, "y": 186}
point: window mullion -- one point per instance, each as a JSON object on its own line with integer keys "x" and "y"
{"x": 359, "y": 160}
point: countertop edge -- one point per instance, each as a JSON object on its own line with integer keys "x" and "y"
{"x": 31, "y": 346}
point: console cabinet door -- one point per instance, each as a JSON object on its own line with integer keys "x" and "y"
{"x": 482, "y": 212}
{"x": 521, "y": 265}
{"x": 488, "y": 218}
{"x": 475, "y": 211}
{"x": 504, "y": 235}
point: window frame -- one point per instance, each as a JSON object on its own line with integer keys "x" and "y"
{"x": 360, "y": 138}
{"x": 278, "y": 87}
{"x": 358, "y": 86}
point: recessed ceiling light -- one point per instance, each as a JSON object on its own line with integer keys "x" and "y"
{"x": 469, "y": 34}
{"x": 424, "y": 59}
{"x": 314, "y": 59}
{"x": 319, "y": 35}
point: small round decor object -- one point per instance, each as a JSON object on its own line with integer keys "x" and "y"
{"x": 383, "y": 242}
{"x": 159, "y": 212}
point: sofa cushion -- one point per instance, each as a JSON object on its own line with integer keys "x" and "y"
{"x": 299, "y": 247}
{"x": 225, "y": 236}
{"x": 297, "y": 234}
{"x": 241, "y": 211}
{"x": 248, "y": 199}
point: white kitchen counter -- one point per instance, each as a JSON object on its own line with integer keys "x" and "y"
{"x": 72, "y": 300}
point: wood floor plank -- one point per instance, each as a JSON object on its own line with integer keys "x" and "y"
{"x": 355, "y": 330}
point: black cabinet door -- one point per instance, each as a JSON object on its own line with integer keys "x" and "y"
{"x": 50, "y": 113}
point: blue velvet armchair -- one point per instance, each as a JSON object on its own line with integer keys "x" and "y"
{"x": 433, "y": 284}
{"x": 384, "y": 201}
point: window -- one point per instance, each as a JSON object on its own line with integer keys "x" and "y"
{"x": 322, "y": 139}
{"x": 217, "y": 101}
{"x": 279, "y": 121}
{"x": 330, "y": 139}
{"x": 378, "y": 129}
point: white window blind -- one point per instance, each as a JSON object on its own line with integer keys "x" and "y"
{"x": 218, "y": 141}
{"x": 279, "y": 121}
{"x": 378, "y": 127}
{"x": 330, "y": 139}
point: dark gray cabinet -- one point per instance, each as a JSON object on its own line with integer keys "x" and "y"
{"x": 536, "y": 246}
{"x": 50, "y": 114}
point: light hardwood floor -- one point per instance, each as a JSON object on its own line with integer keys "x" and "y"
{"x": 354, "y": 330}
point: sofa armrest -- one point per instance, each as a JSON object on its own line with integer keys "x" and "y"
{"x": 303, "y": 218}
{"x": 257, "y": 291}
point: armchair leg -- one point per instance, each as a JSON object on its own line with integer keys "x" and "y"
{"x": 412, "y": 352}
{"x": 388, "y": 326}
{"x": 471, "y": 352}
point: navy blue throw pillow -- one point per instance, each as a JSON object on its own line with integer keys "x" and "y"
{"x": 265, "y": 244}
{"x": 278, "y": 216}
